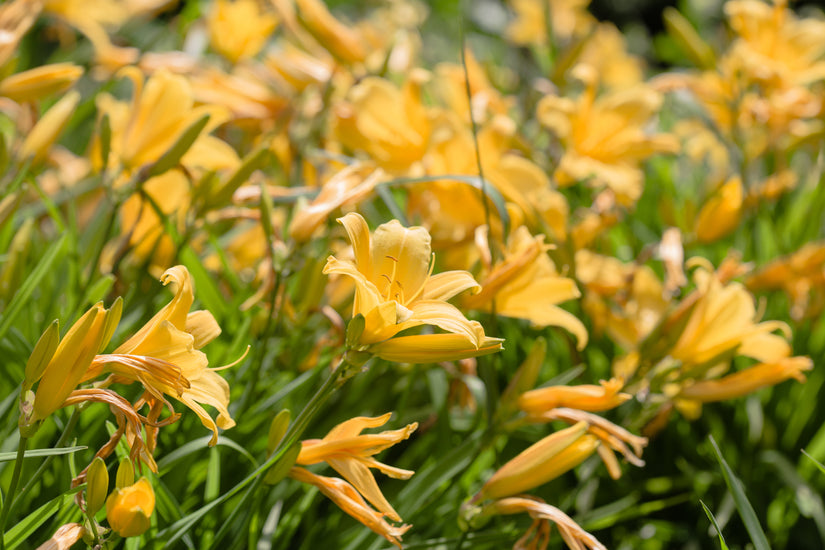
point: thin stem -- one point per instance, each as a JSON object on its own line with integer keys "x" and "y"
{"x": 15, "y": 478}
{"x": 335, "y": 380}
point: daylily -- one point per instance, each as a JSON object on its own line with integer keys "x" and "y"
{"x": 350, "y": 501}
{"x": 238, "y": 30}
{"x": 40, "y": 82}
{"x": 569, "y": 19}
{"x": 49, "y": 127}
{"x": 723, "y": 320}
{"x": 541, "y": 462}
{"x": 721, "y": 213}
{"x": 572, "y": 533}
{"x": 586, "y": 397}
{"x": 392, "y": 126}
{"x": 526, "y": 285}
{"x": 604, "y": 138}
{"x": 350, "y": 185}
{"x": 395, "y": 290}
{"x": 747, "y": 381}
{"x": 351, "y": 454}
{"x": 801, "y": 275}
{"x": 165, "y": 357}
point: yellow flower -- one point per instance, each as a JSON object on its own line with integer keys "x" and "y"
{"x": 586, "y": 397}
{"x": 349, "y": 186}
{"x": 351, "y": 455}
{"x": 722, "y": 320}
{"x": 395, "y": 290}
{"x": 800, "y": 275}
{"x": 40, "y": 82}
{"x": 49, "y": 127}
{"x": 526, "y": 285}
{"x": 721, "y": 213}
{"x": 165, "y": 356}
{"x": 549, "y": 458}
{"x": 162, "y": 109}
{"x": 239, "y": 29}
{"x": 129, "y": 510}
{"x": 570, "y": 531}
{"x": 72, "y": 359}
{"x": 350, "y": 501}
{"x": 604, "y": 138}
{"x": 392, "y": 126}
{"x": 16, "y": 18}
{"x": 747, "y": 381}
{"x": 342, "y": 41}
{"x": 568, "y": 18}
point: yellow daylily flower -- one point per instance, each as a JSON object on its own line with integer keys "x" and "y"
{"x": 349, "y": 186}
{"x": 239, "y": 29}
{"x": 129, "y": 510}
{"x": 350, "y": 501}
{"x": 572, "y": 533}
{"x": 392, "y": 126}
{"x": 342, "y": 41}
{"x": 747, "y": 381}
{"x": 800, "y": 275}
{"x": 526, "y": 285}
{"x": 545, "y": 460}
{"x": 351, "y": 455}
{"x": 721, "y": 213}
{"x": 586, "y": 397}
{"x": 723, "y": 320}
{"x": 164, "y": 355}
{"x": 395, "y": 290}
{"x": 162, "y": 109}
{"x": 49, "y": 127}
{"x": 40, "y": 82}
{"x": 604, "y": 138}
{"x": 569, "y": 18}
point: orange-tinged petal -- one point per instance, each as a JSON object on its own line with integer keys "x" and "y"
{"x": 586, "y": 397}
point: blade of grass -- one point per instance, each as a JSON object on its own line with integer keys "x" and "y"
{"x": 21, "y": 297}
{"x": 712, "y": 519}
{"x": 746, "y": 512}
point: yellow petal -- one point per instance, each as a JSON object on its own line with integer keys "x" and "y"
{"x": 203, "y": 327}
{"x": 444, "y": 286}
{"x": 401, "y": 259}
{"x": 432, "y": 348}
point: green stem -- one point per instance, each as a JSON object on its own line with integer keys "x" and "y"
{"x": 93, "y": 527}
{"x": 343, "y": 373}
{"x": 15, "y": 478}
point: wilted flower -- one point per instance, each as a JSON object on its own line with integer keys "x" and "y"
{"x": 64, "y": 538}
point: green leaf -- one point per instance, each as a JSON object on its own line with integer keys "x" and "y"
{"x": 199, "y": 444}
{"x": 171, "y": 158}
{"x": 253, "y": 161}
{"x": 746, "y": 512}
{"x": 208, "y": 293}
{"x": 33, "y": 453}
{"x": 18, "y": 534}
{"x": 715, "y": 526}
{"x": 815, "y": 461}
{"x": 21, "y": 297}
